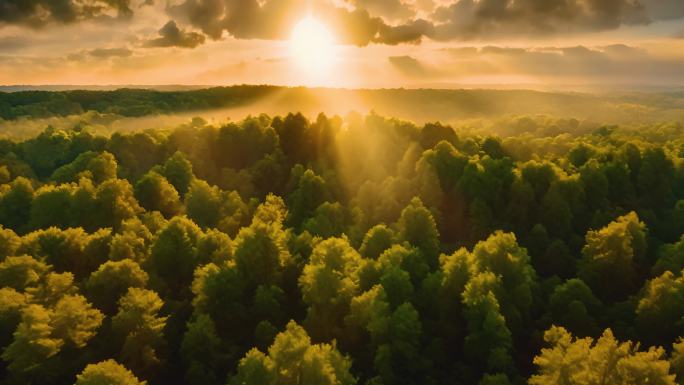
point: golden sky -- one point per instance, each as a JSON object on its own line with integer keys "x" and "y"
{"x": 344, "y": 43}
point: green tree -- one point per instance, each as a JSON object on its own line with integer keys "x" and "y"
{"x": 616, "y": 250}
{"x": 417, "y": 227}
{"x": 489, "y": 341}
{"x": 293, "y": 360}
{"x": 329, "y": 220}
{"x": 178, "y": 171}
{"x": 654, "y": 183}
{"x": 15, "y": 205}
{"x": 661, "y": 304}
{"x": 574, "y": 306}
{"x": 9, "y": 242}
{"x": 140, "y": 327}
{"x": 210, "y": 207}
{"x": 154, "y": 192}
{"x": 107, "y": 372}
{"x": 328, "y": 283}
{"x": 21, "y": 272}
{"x": 51, "y": 207}
{"x": 378, "y": 239}
{"x": 111, "y": 281}
{"x": 501, "y": 255}
{"x": 173, "y": 257}
{"x": 310, "y": 192}
{"x": 97, "y": 167}
{"x": 74, "y": 320}
{"x": 201, "y": 353}
{"x": 33, "y": 342}
{"x": 114, "y": 203}
{"x": 677, "y": 359}
{"x": 604, "y": 361}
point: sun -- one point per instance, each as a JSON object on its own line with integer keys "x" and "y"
{"x": 313, "y": 49}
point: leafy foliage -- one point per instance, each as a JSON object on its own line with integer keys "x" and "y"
{"x": 283, "y": 250}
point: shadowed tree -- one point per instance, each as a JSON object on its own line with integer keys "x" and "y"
{"x": 661, "y": 304}
{"x": 178, "y": 171}
{"x": 111, "y": 281}
{"x": 573, "y": 306}
{"x": 15, "y": 205}
{"x": 97, "y": 167}
{"x": 140, "y": 328}
{"x": 33, "y": 343}
{"x": 378, "y": 239}
{"x": 9, "y": 242}
{"x": 311, "y": 191}
{"x": 154, "y": 192}
{"x": 173, "y": 257}
{"x": 201, "y": 354}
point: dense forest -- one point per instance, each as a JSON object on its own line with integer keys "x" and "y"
{"x": 339, "y": 250}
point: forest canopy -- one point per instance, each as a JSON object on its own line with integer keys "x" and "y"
{"x": 337, "y": 250}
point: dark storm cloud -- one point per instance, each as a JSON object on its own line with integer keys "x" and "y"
{"x": 37, "y": 13}
{"x": 172, "y": 36}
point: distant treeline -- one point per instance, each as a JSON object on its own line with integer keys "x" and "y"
{"x": 125, "y": 102}
{"x": 414, "y": 104}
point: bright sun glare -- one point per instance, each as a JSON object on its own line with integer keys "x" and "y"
{"x": 313, "y": 49}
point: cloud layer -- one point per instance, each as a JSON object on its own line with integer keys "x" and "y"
{"x": 172, "y": 36}
{"x": 358, "y": 22}
{"x": 612, "y": 64}
{"x": 39, "y": 13}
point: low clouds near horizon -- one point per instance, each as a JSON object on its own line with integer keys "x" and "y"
{"x": 611, "y": 64}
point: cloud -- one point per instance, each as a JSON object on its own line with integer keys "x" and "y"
{"x": 106, "y": 53}
{"x": 411, "y": 67}
{"x": 664, "y": 9}
{"x": 172, "y": 36}
{"x": 38, "y": 13}
{"x": 99, "y": 54}
{"x": 468, "y": 19}
{"x": 387, "y": 9}
{"x": 12, "y": 43}
{"x": 612, "y": 64}
{"x": 274, "y": 19}
{"x": 357, "y": 22}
